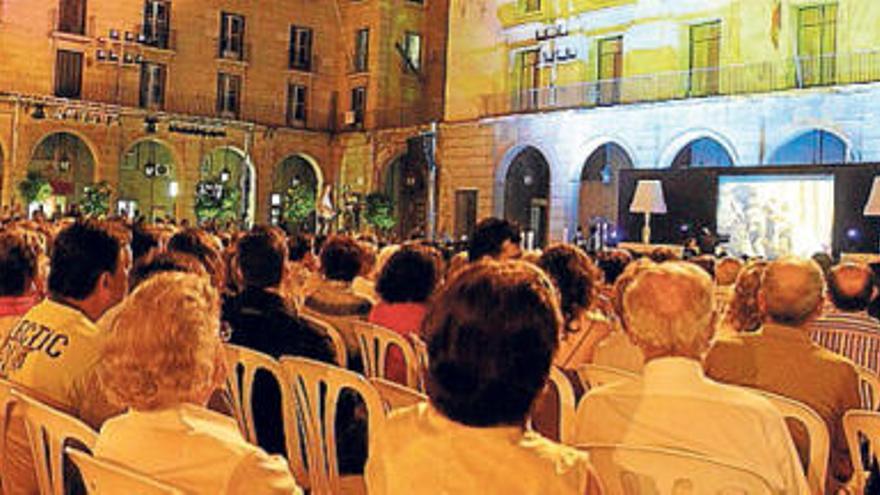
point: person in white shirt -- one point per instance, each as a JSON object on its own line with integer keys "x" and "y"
{"x": 163, "y": 358}
{"x": 669, "y": 314}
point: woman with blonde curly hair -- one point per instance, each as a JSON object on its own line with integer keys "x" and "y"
{"x": 162, "y": 359}
{"x": 743, "y": 314}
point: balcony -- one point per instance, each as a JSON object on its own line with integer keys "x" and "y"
{"x": 765, "y": 77}
{"x": 159, "y": 39}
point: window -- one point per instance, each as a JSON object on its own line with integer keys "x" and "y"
{"x": 465, "y": 212}
{"x": 529, "y": 78}
{"x": 610, "y": 69}
{"x": 532, "y": 5}
{"x": 157, "y": 23}
{"x": 68, "y": 74}
{"x": 817, "y": 45}
{"x": 296, "y": 104}
{"x": 705, "y": 53}
{"x": 412, "y": 52}
{"x": 358, "y": 105}
{"x": 152, "y": 85}
{"x": 72, "y": 16}
{"x": 231, "y": 36}
{"x": 228, "y": 95}
{"x": 361, "y": 50}
{"x": 300, "y": 48}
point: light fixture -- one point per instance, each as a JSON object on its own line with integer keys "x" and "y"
{"x": 63, "y": 155}
{"x": 64, "y": 163}
{"x": 872, "y": 207}
{"x": 410, "y": 180}
{"x": 528, "y": 180}
{"x": 648, "y": 199}
{"x": 39, "y": 112}
{"x": 173, "y": 188}
{"x": 294, "y": 182}
{"x": 224, "y": 175}
{"x": 150, "y": 169}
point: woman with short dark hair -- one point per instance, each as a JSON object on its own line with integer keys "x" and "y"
{"x": 405, "y": 283}
{"x": 491, "y": 335}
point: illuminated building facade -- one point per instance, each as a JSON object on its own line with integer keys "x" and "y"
{"x": 547, "y": 100}
{"x": 164, "y": 99}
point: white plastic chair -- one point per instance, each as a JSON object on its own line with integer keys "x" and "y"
{"x": 242, "y": 367}
{"x": 856, "y": 425}
{"x": 869, "y": 389}
{"x": 7, "y": 402}
{"x": 103, "y": 477}
{"x": 634, "y": 470}
{"x": 315, "y": 321}
{"x": 862, "y": 347}
{"x": 820, "y": 446}
{"x": 561, "y": 427}
{"x": 49, "y": 430}
{"x": 374, "y": 342}
{"x": 594, "y": 375}
{"x": 316, "y": 390}
{"x": 395, "y": 395}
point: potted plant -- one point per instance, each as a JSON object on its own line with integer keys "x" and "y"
{"x": 96, "y": 199}
{"x": 34, "y": 188}
{"x": 299, "y": 205}
{"x": 216, "y": 203}
{"x": 379, "y": 212}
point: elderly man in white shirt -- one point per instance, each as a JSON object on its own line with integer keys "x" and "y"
{"x": 669, "y": 314}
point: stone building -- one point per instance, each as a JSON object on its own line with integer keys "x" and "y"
{"x": 162, "y": 98}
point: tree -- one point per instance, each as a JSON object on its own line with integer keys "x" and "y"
{"x": 96, "y": 199}
{"x": 34, "y": 188}
{"x": 380, "y": 212}
{"x": 299, "y": 205}
{"x": 216, "y": 202}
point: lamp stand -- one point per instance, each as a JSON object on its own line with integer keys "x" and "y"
{"x": 646, "y": 230}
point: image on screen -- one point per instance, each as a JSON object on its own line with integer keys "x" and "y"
{"x": 775, "y": 215}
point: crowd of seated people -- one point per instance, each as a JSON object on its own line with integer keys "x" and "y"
{"x": 124, "y": 326}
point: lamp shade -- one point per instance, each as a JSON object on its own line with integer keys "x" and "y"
{"x": 648, "y": 198}
{"x": 872, "y": 207}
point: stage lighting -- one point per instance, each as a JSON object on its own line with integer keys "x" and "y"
{"x": 853, "y": 234}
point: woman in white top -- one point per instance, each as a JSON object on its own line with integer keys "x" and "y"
{"x": 162, "y": 359}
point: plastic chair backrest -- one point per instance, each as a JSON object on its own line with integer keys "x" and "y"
{"x": 817, "y": 430}
{"x": 316, "y": 390}
{"x": 421, "y": 349}
{"x": 7, "y": 402}
{"x": 395, "y": 395}
{"x": 374, "y": 342}
{"x": 634, "y": 470}
{"x": 858, "y": 424}
{"x": 869, "y": 389}
{"x": 594, "y": 375}
{"x": 315, "y": 321}
{"x": 860, "y": 346}
{"x": 109, "y": 478}
{"x": 242, "y": 367}
{"x": 48, "y": 431}
{"x": 555, "y": 420}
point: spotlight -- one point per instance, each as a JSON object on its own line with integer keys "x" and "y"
{"x": 853, "y": 234}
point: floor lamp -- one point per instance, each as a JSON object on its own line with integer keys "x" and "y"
{"x": 648, "y": 199}
{"x": 872, "y": 207}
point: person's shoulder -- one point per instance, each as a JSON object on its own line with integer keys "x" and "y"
{"x": 258, "y": 473}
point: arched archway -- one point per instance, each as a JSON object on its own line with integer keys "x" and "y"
{"x": 295, "y": 171}
{"x": 599, "y": 181}
{"x": 67, "y": 162}
{"x": 406, "y": 183}
{"x": 148, "y": 181}
{"x": 227, "y": 172}
{"x": 702, "y": 152}
{"x": 527, "y": 193}
{"x": 815, "y": 147}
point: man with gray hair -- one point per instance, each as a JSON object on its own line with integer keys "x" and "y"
{"x": 668, "y": 310}
{"x": 782, "y": 359}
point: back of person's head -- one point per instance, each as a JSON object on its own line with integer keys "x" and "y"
{"x": 163, "y": 346}
{"x": 491, "y": 334}
{"x": 489, "y": 237}
{"x": 162, "y": 262}
{"x": 726, "y": 271}
{"x": 624, "y": 280}
{"x": 261, "y": 255}
{"x": 18, "y": 263}
{"x": 662, "y": 253}
{"x": 669, "y": 310}
{"x": 825, "y": 262}
{"x": 743, "y": 313}
{"x": 82, "y": 253}
{"x": 341, "y": 258}
{"x": 574, "y": 276}
{"x": 409, "y": 275}
{"x": 612, "y": 263}
{"x": 706, "y": 262}
{"x": 206, "y": 248}
{"x": 298, "y": 246}
{"x": 143, "y": 241}
{"x": 851, "y": 286}
{"x": 791, "y": 291}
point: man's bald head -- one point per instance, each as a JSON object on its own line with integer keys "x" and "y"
{"x": 851, "y": 286}
{"x": 792, "y": 290}
{"x": 668, "y": 310}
